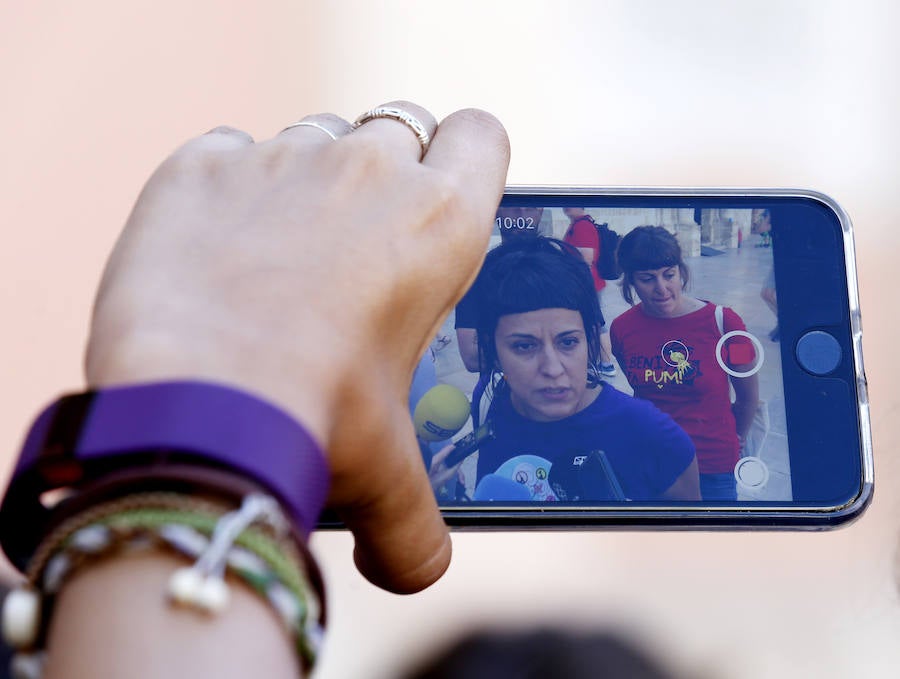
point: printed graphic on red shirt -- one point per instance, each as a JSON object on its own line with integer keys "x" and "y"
{"x": 673, "y": 365}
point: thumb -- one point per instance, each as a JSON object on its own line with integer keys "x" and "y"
{"x": 402, "y": 542}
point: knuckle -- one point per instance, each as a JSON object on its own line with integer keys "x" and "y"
{"x": 447, "y": 190}
{"x": 277, "y": 155}
{"x": 192, "y": 162}
{"x": 369, "y": 150}
{"x": 461, "y": 225}
{"x": 446, "y": 195}
{"x": 234, "y": 132}
{"x": 365, "y": 157}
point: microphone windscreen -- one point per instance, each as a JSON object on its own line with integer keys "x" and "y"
{"x": 440, "y": 413}
{"x": 496, "y": 488}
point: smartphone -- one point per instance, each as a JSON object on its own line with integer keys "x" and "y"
{"x": 661, "y": 358}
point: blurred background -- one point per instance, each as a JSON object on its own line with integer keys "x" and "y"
{"x": 766, "y": 93}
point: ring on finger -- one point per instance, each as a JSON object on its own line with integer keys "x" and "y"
{"x": 311, "y": 123}
{"x": 401, "y": 116}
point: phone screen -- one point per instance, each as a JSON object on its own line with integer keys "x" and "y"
{"x": 643, "y": 351}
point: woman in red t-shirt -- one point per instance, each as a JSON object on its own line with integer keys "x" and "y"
{"x": 666, "y": 345}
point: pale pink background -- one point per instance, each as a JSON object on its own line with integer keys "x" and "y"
{"x": 96, "y": 93}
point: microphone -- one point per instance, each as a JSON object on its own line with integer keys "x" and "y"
{"x": 578, "y": 477}
{"x": 469, "y": 443}
{"x": 440, "y": 413}
{"x": 496, "y": 488}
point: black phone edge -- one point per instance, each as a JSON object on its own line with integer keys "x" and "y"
{"x": 695, "y": 518}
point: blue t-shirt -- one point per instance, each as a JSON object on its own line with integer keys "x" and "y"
{"x": 644, "y": 446}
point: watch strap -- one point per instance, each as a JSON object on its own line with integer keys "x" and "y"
{"x": 83, "y": 436}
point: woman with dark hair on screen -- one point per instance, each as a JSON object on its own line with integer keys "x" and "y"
{"x": 538, "y": 329}
{"x": 666, "y": 345}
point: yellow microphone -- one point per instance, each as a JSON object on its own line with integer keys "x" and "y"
{"x": 440, "y": 413}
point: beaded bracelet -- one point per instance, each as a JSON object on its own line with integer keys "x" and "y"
{"x": 252, "y": 543}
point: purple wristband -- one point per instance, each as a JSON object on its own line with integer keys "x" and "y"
{"x": 83, "y": 436}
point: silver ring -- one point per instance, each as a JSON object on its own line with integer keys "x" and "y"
{"x": 310, "y": 123}
{"x": 401, "y": 116}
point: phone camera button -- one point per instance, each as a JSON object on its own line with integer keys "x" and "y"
{"x": 818, "y": 352}
{"x": 751, "y": 473}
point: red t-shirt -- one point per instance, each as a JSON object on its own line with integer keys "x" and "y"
{"x": 583, "y": 234}
{"x": 671, "y": 362}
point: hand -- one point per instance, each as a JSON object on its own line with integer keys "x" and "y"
{"x": 440, "y": 473}
{"x": 313, "y": 272}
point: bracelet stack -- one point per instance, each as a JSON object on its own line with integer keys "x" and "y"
{"x": 244, "y": 486}
{"x": 257, "y": 553}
